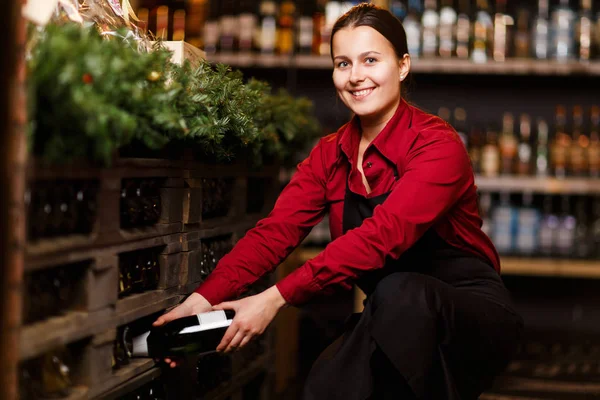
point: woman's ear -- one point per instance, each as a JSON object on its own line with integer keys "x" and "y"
{"x": 404, "y": 66}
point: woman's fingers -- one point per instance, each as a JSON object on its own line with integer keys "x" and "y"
{"x": 245, "y": 341}
{"x": 235, "y": 342}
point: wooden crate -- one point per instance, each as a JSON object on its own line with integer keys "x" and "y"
{"x": 190, "y": 223}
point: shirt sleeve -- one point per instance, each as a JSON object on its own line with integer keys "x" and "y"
{"x": 436, "y": 175}
{"x": 299, "y": 207}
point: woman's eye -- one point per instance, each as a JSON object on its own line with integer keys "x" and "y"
{"x": 342, "y": 64}
{"x": 370, "y": 60}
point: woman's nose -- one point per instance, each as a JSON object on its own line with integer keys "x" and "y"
{"x": 356, "y": 75}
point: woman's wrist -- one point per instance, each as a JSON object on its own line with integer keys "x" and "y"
{"x": 197, "y": 303}
{"x": 275, "y": 297}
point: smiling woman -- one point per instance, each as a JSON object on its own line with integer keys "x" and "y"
{"x": 398, "y": 187}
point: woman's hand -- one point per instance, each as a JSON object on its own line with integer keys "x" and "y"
{"x": 194, "y": 304}
{"x": 252, "y": 316}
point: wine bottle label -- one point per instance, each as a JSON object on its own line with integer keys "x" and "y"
{"x": 140, "y": 345}
{"x": 210, "y": 320}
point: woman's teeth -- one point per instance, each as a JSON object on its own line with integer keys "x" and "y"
{"x": 362, "y": 93}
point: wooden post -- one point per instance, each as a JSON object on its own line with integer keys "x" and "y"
{"x": 13, "y": 120}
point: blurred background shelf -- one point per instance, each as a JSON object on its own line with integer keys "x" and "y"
{"x": 533, "y": 184}
{"x": 418, "y": 65}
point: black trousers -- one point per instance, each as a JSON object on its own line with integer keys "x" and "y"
{"x": 442, "y": 334}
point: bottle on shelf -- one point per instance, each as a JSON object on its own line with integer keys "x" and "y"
{"x": 503, "y": 23}
{"x": 412, "y": 27}
{"x": 398, "y": 9}
{"x": 475, "y": 150}
{"x": 247, "y": 21}
{"x": 483, "y": 27}
{"x": 522, "y": 34}
{"x": 560, "y": 144}
{"x": 504, "y": 225}
{"x": 197, "y": 334}
{"x": 304, "y": 35}
{"x": 463, "y": 30}
{"x": 228, "y": 27}
{"x": 178, "y": 18}
{"x": 286, "y": 27}
{"x": 582, "y": 232}
{"x": 430, "y": 21}
{"x": 524, "y": 151}
{"x": 541, "y": 31}
{"x": 594, "y": 145}
{"x": 527, "y": 227}
{"x": 563, "y": 32}
{"x": 541, "y": 151}
{"x": 548, "y": 233}
{"x": 490, "y": 154}
{"x": 585, "y": 31}
{"x": 508, "y": 144}
{"x": 578, "y": 150}
{"x": 268, "y": 27}
{"x": 210, "y": 31}
{"x": 460, "y": 124}
{"x": 485, "y": 210}
{"x": 447, "y": 29}
{"x": 566, "y": 228}
{"x": 595, "y": 228}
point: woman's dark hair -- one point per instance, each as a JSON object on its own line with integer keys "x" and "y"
{"x": 366, "y": 14}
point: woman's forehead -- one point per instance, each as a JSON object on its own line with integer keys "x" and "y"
{"x": 357, "y": 40}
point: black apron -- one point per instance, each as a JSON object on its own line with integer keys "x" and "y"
{"x": 437, "y": 325}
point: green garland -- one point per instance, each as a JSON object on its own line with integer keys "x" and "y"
{"x": 90, "y": 97}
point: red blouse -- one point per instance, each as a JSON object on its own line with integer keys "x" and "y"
{"x": 436, "y": 189}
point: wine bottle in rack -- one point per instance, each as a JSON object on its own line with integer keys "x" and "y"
{"x": 463, "y": 30}
{"x": 412, "y": 26}
{"x": 579, "y": 144}
{"x": 508, "y": 144}
{"x": 541, "y": 152}
{"x": 197, "y": 334}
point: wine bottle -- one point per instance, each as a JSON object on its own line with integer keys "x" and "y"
{"x": 197, "y": 334}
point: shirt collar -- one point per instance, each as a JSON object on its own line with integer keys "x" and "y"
{"x": 391, "y": 142}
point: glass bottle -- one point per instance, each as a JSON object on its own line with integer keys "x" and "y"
{"x": 503, "y": 23}
{"x": 560, "y": 144}
{"x": 490, "y": 154}
{"x": 508, "y": 144}
{"x": 430, "y": 22}
{"x": 563, "y": 32}
{"x": 483, "y": 27}
{"x": 463, "y": 30}
{"x": 566, "y": 228}
{"x": 548, "y": 234}
{"x": 579, "y": 145}
{"x": 541, "y": 31}
{"x": 594, "y": 145}
{"x": 585, "y": 30}
{"x": 448, "y": 27}
{"x": 412, "y": 27}
{"x": 541, "y": 152}
{"x": 582, "y": 231}
{"x": 524, "y": 152}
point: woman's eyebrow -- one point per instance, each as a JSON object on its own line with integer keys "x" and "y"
{"x": 361, "y": 55}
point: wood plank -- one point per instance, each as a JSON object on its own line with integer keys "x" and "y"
{"x": 130, "y": 385}
{"x": 135, "y": 368}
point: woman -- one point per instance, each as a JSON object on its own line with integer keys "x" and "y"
{"x": 399, "y": 188}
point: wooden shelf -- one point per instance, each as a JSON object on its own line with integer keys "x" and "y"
{"x": 129, "y": 377}
{"x": 78, "y": 393}
{"x": 242, "y": 378}
{"x": 43, "y": 336}
{"x": 566, "y": 268}
{"x": 532, "y": 184}
{"x": 519, "y": 266}
{"x": 419, "y": 65}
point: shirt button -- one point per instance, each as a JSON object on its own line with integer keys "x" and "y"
{"x": 369, "y": 164}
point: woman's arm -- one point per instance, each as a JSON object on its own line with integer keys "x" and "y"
{"x": 437, "y": 174}
{"x": 300, "y": 206}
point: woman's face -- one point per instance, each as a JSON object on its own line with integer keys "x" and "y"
{"x": 367, "y": 73}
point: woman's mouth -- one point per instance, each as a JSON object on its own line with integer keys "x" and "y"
{"x": 361, "y": 94}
